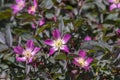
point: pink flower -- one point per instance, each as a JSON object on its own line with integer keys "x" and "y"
{"x": 87, "y": 38}
{"x": 59, "y": 43}
{"x": 118, "y": 31}
{"x": 26, "y": 54}
{"x": 42, "y": 22}
{"x": 33, "y": 8}
{"x": 114, "y": 4}
{"x": 20, "y": 4}
{"x": 83, "y": 61}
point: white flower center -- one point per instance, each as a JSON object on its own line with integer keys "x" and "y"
{"x": 58, "y": 43}
{"x": 21, "y": 4}
{"x": 33, "y": 8}
{"x": 81, "y": 61}
{"x": 27, "y": 53}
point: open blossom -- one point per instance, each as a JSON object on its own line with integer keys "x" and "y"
{"x": 33, "y": 8}
{"x": 59, "y": 43}
{"x": 83, "y": 61}
{"x": 87, "y": 38}
{"x": 20, "y": 4}
{"x": 26, "y": 54}
{"x": 114, "y": 4}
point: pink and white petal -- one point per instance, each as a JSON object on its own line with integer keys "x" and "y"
{"x": 76, "y": 63}
{"x": 30, "y": 59}
{"x": 82, "y": 53}
{"x": 65, "y": 48}
{"x": 35, "y": 3}
{"x": 42, "y": 22}
{"x": 89, "y": 60}
{"x": 49, "y": 42}
{"x": 15, "y": 9}
{"x": 29, "y": 10}
{"x": 30, "y": 44}
{"x": 17, "y": 1}
{"x": 21, "y": 59}
{"x": 111, "y": 1}
{"x": 33, "y": 26}
{"x": 112, "y": 6}
{"x": 76, "y": 59}
{"x": 36, "y": 49}
{"x": 86, "y": 68}
{"x": 66, "y": 38}
{"x": 56, "y": 34}
{"x": 52, "y": 50}
{"x": 18, "y": 50}
{"x": 118, "y": 5}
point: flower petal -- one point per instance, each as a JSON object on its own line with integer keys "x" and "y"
{"x": 82, "y": 53}
{"x": 18, "y": 50}
{"x": 30, "y": 59}
{"x": 35, "y": 3}
{"x": 15, "y": 8}
{"x": 113, "y": 6}
{"x": 88, "y": 61}
{"x": 21, "y": 59}
{"x": 86, "y": 68}
{"x": 76, "y": 63}
{"x": 30, "y": 44}
{"x": 42, "y": 22}
{"x": 36, "y": 49}
{"x": 49, "y": 42}
{"x": 33, "y": 26}
{"x": 56, "y": 34}
{"x": 118, "y": 5}
{"x": 66, "y": 38}
{"x": 52, "y": 50}
{"x": 87, "y": 38}
{"x": 111, "y": 1}
{"x": 65, "y": 48}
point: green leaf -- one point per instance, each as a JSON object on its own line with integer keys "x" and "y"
{"x": 5, "y": 14}
{"x": 25, "y": 15}
{"x": 57, "y": 75}
{"x": 9, "y": 38}
{"x": 61, "y": 56}
{"x": 69, "y": 7}
{"x": 42, "y": 28}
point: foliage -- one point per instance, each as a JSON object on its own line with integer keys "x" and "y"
{"x": 79, "y": 18}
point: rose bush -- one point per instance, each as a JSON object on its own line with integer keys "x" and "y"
{"x": 59, "y": 40}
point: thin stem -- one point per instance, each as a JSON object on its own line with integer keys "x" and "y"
{"x": 27, "y": 70}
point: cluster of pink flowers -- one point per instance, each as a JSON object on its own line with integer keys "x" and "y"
{"x": 114, "y": 4}
{"x": 59, "y": 43}
{"x": 20, "y": 4}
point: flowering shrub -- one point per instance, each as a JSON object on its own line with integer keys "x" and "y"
{"x": 59, "y": 40}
